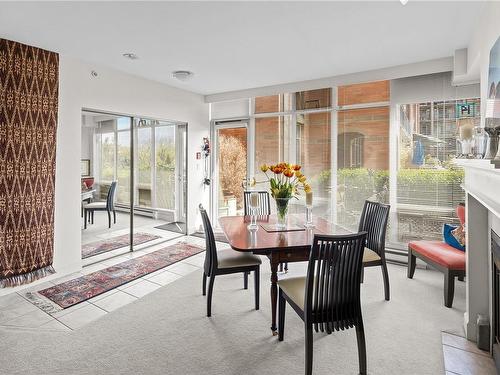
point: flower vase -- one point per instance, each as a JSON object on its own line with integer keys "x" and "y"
{"x": 282, "y": 212}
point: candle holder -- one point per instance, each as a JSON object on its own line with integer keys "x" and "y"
{"x": 309, "y": 217}
{"x": 253, "y": 221}
{"x": 254, "y": 204}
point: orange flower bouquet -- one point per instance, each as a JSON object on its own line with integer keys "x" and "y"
{"x": 286, "y": 182}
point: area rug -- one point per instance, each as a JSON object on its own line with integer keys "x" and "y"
{"x": 74, "y": 291}
{"x": 113, "y": 243}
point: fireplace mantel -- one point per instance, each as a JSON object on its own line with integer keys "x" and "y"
{"x": 482, "y": 188}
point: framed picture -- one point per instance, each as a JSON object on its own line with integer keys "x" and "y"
{"x": 85, "y": 167}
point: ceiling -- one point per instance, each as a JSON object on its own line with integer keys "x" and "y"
{"x": 239, "y": 45}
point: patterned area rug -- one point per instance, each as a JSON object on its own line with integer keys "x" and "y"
{"x": 113, "y": 243}
{"x": 83, "y": 288}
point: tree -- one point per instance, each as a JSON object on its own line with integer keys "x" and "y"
{"x": 232, "y": 166}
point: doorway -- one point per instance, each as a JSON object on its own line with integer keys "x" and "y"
{"x": 229, "y": 168}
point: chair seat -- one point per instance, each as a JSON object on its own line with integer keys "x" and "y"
{"x": 96, "y": 205}
{"x": 441, "y": 253}
{"x": 370, "y": 256}
{"x": 232, "y": 259}
{"x": 295, "y": 289}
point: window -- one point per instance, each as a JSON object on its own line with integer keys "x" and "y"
{"x": 313, "y": 99}
{"x": 314, "y": 155}
{"x": 362, "y": 149}
{"x": 428, "y": 184}
{"x": 107, "y": 159}
{"x": 272, "y": 136}
{"x": 123, "y": 167}
{"x": 165, "y": 167}
{"x": 144, "y": 163}
{"x": 273, "y": 103}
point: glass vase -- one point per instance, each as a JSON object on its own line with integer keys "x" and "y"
{"x": 480, "y": 138}
{"x": 282, "y": 212}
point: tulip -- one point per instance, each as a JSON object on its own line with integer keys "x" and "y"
{"x": 264, "y": 168}
{"x": 296, "y": 167}
{"x": 302, "y": 179}
{"x": 277, "y": 170}
{"x": 288, "y": 173}
{"x": 307, "y": 188}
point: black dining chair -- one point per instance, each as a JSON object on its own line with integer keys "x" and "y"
{"x": 328, "y": 298}
{"x": 226, "y": 262}
{"x": 263, "y": 209}
{"x": 108, "y": 206}
{"x": 264, "y": 206}
{"x": 374, "y": 221}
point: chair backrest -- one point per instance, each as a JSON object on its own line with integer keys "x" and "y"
{"x": 110, "y": 198}
{"x": 264, "y": 204}
{"x": 211, "y": 249}
{"x": 332, "y": 295}
{"x": 374, "y": 221}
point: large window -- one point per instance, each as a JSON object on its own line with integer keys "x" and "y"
{"x": 354, "y": 145}
{"x": 428, "y": 183}
{"x": 362, "y": 149}
{"x": 165, "y": 167}
{"x": 272, "y": 136}
{"x": 314, "y": 154}
{"x": 154, "y": 161}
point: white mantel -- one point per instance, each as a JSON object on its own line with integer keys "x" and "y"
{"x": 482, "y": 187}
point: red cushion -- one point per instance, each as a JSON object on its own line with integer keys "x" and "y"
{"x": 88, "y": 181}
{"x": 440, "y": 253}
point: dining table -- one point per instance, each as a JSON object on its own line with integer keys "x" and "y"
{"x": 291, "y": 244}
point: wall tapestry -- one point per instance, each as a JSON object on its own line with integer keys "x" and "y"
{"x": 29, "y": 82}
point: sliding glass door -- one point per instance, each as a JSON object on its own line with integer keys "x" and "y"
{"x": 147, "y": 161}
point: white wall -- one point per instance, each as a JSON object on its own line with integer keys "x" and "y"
{"x": 434, "y": 87}
{"x": 116, "y": 92}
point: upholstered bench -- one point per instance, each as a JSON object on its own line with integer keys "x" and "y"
{"x": 442, "y": 257}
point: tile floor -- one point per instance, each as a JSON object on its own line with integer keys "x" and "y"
{"x": 463, "y": 357}
{"x": 18, "y": 313}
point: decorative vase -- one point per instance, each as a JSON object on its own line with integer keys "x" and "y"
{"x": 492, "y": 147}
{"x": 480, "y": 138}
{"x": 465, "y": 132}
{"x": 282, "y": 212}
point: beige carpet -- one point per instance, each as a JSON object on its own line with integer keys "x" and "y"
{"x": 167, "y": 332}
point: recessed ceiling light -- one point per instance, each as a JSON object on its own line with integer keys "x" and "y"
{"x": 403, "y": 2}
{"x": 130, "y": 56}
{"x": 182, "y": 75}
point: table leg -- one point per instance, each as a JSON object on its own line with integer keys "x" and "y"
{"x": 274, "y": 295}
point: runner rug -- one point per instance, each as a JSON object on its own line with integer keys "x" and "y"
{"x": 72, "y": 292}
{"x": 113, "y": 243}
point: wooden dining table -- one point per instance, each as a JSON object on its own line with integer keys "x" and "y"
{"x": 290, "y": 245}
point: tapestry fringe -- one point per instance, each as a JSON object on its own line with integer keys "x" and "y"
{"x": 26, "y": 278}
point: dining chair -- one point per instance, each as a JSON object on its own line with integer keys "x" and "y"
{"x": 374, "y": 221}
{"x": 263, "y": 208}
{"x": 226, "y": 262}
{"x": 328, "y": 297}
{"x": 108, "y": 205}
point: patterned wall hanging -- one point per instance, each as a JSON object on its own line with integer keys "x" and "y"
{"x": 29, "y": 82}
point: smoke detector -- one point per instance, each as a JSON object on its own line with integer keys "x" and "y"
{"x": 182, "y": 75}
